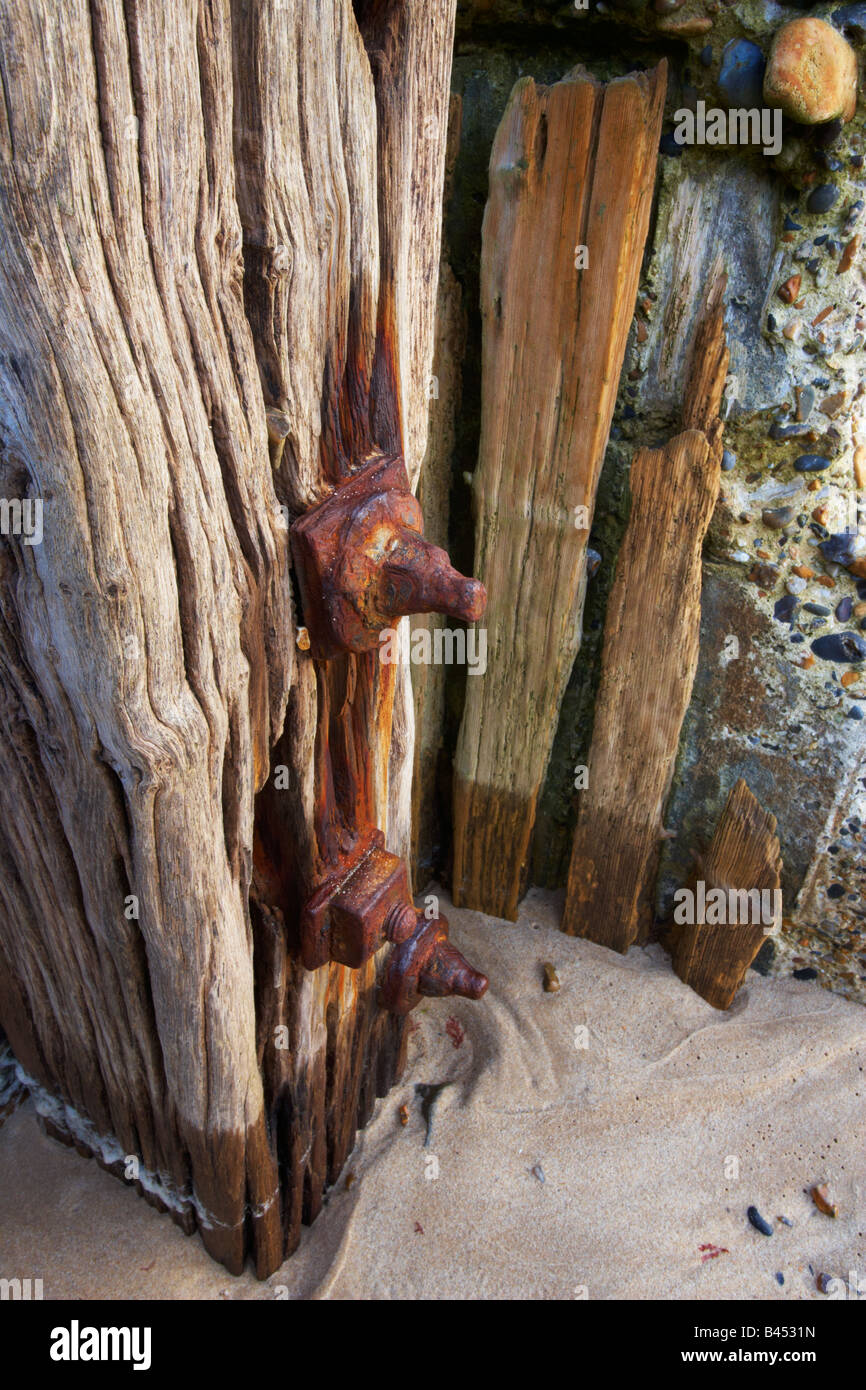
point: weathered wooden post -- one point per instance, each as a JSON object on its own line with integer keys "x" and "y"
{"x": 217, "y": 216}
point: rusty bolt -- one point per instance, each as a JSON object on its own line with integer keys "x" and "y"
{"x": 428, "y": 965}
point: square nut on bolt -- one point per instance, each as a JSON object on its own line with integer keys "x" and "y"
{"x": 355, "y": 913}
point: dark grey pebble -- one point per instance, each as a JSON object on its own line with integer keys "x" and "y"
{"x": 811, "y": 463}
{"x": 840, "y": 646}
{"x": 771, "y": 323}
{"x": 796, "y": 638}
{"x": 819, "y": 609}
{"x": 855, "y": 712}
{"x": 822, "y": 198}
{"x": 806, "y": 402}
{"x": 780, "y": 1278}
{"x": 836, "y": 890}
{"x": 812, "y": 266}
{"x": 785, "y": 608}
{"x": 758, "y": 1222}
{"x": 807, "y": 973}
{"x": 844, "y": 609}
{"x": 819, "y": 240}
{"x": 791, "y": 225}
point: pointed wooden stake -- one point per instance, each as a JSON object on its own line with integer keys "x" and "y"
{"x": 649, "y": 660}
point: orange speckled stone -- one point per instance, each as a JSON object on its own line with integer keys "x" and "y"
{"x": 811, "y": 73}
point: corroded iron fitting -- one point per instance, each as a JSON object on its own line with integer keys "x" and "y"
{"x": 367, "y": 906}
{"x": 362, "y": 562}
{"x": 427, "y": 965}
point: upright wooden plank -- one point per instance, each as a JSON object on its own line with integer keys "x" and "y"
{"x": 745, "y": 863}
{"x": 649, "y": 661}
{"x": 572, "y": 166}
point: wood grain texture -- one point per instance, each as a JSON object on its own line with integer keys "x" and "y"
{"x": 191, "y": 212}
{"x": 649, "y": 659}
{"x": 744, "y": 856}
{"x": 572, "y": 164}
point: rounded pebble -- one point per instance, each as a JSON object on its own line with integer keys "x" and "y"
{"x": 811, "y": 463}
{"x": 840, "y": 647}
{"x": 822, "y": 198}
{"x": 811, "y": 73}
{"x": 777, "y": 518}
{"x": 741, "y": 76}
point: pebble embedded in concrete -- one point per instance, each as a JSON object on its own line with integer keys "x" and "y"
{"x": 811, "y": 73}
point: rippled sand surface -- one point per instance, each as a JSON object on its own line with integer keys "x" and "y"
{"x": 602, "y": 1142}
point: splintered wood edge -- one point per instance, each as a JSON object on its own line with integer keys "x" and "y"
{"x": 709, "y": 360}
{"x": 709, "y": 365}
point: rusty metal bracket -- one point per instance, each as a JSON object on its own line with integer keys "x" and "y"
{"x": 362, "y": 562}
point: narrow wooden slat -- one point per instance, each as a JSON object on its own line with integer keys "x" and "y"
{"x": 743, "y": 857}
{"x": 649, "y": 661}
{"x": 572, "y": 165}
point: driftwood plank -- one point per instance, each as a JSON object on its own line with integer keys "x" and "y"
{"x": 572, "y": 166}
{"x": 742, "y": 861}
{"x": 649, "y": 660}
